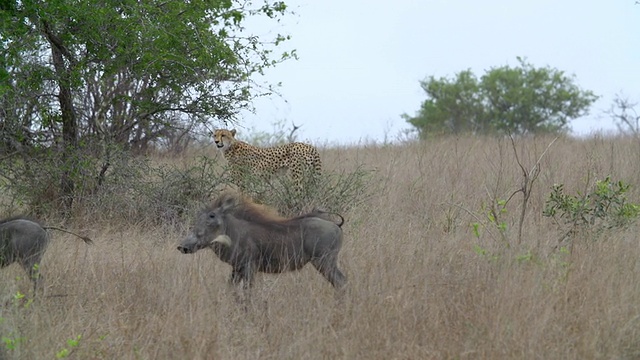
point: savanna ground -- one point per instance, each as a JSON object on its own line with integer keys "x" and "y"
{"x": 424, "y": 283}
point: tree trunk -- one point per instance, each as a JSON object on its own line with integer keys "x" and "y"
{"x": 69, "y": 122}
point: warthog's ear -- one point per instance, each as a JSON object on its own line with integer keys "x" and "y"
{"x": 228, "y": 203}
{"x": 222, "y": 239}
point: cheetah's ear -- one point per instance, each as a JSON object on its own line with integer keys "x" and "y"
{"x": 233, "y": 132}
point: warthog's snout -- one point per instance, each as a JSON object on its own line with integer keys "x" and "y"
{"x": 185, "y": 250}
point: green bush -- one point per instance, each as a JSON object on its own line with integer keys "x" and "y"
{"x": 124, "y": 188}
{"x": 113, "y": 185}
{"x": 156, "y": 194}
{"x": 334, "y": 192}
{"x": 604, "y": 207}
{"x": 32, "y": 181}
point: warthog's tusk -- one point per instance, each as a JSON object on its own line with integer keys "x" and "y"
{"x": 222, "y": 239}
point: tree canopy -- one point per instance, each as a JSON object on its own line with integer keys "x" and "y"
{"x": 78, "y": 75}
{"x": 515, "y": 100}
{"x": 134, "y": 71}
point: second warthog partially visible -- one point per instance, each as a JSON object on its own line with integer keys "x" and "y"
{"x": 251, "y": 239}
{"x": 24, "y": 241}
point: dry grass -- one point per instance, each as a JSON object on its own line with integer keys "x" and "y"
{"x": 417, "y": 288}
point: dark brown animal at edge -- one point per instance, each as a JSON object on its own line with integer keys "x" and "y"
{"x": 24, "y": 241}
{"x": 249, "y": 238}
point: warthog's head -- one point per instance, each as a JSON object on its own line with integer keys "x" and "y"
{"x": 209, "y": 228}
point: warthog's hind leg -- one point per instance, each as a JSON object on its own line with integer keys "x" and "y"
{"x": 32, "y": 267}
{"x": 328, "y": 267}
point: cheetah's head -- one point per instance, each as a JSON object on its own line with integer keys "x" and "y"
{"x": 224, "y": 138}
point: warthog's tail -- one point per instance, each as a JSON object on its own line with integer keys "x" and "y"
{"x": 84, "y": 238}
{"x": 341, "y": 219}
{"x": 320, "y": 211}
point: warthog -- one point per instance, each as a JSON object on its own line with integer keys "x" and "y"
{"x": 252, "y": 239}
{"x": 24, "y": 241}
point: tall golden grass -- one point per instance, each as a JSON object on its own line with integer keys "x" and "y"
{"x": 419, "y": 287}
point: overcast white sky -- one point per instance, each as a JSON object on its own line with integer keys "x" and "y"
{"x": 360, "y": 62}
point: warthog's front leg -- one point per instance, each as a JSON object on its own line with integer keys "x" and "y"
{"x": 245, "y": 275}
{"x": 235, "y": 277}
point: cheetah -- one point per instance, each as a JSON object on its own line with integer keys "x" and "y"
{"x": 299, "y": 159}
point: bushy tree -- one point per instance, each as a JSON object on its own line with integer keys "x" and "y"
{"x": 128, "y": 69}
{"x": 77, "y": 74}
{"x": 452, "y": 106}
{"x": 515, "y": 100}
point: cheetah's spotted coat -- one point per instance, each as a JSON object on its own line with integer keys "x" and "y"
{"x": 298, "y": 158}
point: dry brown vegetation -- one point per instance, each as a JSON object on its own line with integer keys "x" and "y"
{"x": 419, "y": 286}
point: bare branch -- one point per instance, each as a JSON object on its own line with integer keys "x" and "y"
{"x": 623, "y": 112}
{"x": 529, "y": 178}
{"x": 515, "y": 152}
{"x": 294, "y": 128}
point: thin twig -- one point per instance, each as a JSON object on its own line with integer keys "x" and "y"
{"x": 473, "y": 215}
{"x": 529, "y": 178}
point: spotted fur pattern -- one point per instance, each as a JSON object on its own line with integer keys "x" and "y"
{"x": 298, "y": 159}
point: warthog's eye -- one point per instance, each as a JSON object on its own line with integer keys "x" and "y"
{"x": 212, "y": 215}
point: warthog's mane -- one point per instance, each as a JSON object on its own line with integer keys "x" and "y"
{"x": 244, "y": 208}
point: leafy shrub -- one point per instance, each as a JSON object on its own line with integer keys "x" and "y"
{"x": 32, "y": 181}
{"x": 156, "y": 194}
{"x": 605, "y": 207}
{"x": 334, "y": 192}
{"x": 113, "y": 185}
{"x": 122, "y": 188}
